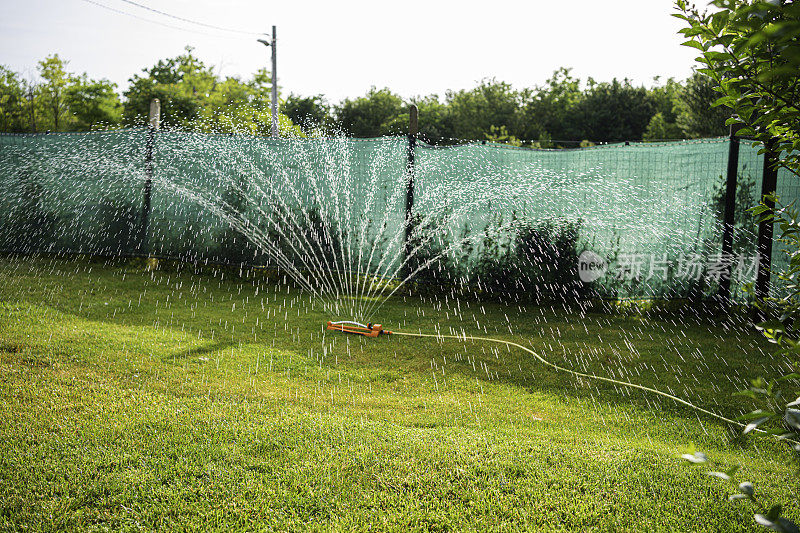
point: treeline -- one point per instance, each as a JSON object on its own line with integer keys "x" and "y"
{"x": 193, "y": 96}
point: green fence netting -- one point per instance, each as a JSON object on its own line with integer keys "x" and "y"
{"x": 328, "y": 210}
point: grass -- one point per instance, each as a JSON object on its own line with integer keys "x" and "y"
{"x": 163, "y": 400}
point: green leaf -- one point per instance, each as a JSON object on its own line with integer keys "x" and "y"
{"x": 758, "y": 413}
{"x": 694, "y": 44}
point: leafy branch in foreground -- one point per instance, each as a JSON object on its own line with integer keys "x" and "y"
{"x": 751, "y": 49}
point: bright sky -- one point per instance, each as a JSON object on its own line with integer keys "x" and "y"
{"x": 342, "y": 47}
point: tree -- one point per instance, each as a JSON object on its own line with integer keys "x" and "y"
{"x": 53, "y": 91}
{"x": 180, "y": 83}
{"x": 12, "y": 102}
{"x": 371, "y": 115}
{"x": 659, "y": 129}
{"x": 491, "y": 103}
{"x": 548, "y": 111}
{"x": 194, "y": 97}
{"x": 309, "y": 112}
{"x": 697, "y": 115}
{"x": 615, "y": 111}
{"x": 435, "y": 120}
{"x": 92, "y": 104}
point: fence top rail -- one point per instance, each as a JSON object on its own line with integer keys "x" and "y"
{"x": 420, "y": 143}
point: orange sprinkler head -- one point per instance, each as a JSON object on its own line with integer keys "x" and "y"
{"x": 370, "y": 330}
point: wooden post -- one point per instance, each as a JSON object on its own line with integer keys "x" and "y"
{"x": 153, "y": 126}
{"x": 413, "y": 129}
{"x": 769, "y": 185}
{"x": 729, "y": 216}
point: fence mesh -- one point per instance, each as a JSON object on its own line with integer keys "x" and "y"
{"x": 654, "y": 210}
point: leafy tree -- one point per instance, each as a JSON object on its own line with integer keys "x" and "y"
{"x": 659, "y": 128}
{"x": 180, "y": 83}
{"x": 12, "y": 102}
{"x": 193, "y": 97}
{"x": 751, "y": 51}
{"x": 547, "y": 111}
{"x": 92, "y": 103}
{"x": 308, "y": 112}
{"x": 697, "y": 115}
{"x": 53, "y": 91}
{"x": 615, "y": 111}
{"x": 435, "y": 120}
{"x": 664, "y": 98}
{"x": 491, "y": 103}
{"x": 371, "y": 115}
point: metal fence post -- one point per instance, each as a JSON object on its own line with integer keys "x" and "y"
{"x": 729, "y": 216}
{"x": 413, "y": 129}
{"x": 769, "y": 185}
{"x": 154, "y": 124}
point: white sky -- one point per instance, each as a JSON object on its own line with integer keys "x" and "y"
{"x": 342, "y": 47}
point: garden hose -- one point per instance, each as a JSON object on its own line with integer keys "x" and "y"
{"x": 588, "y": 376}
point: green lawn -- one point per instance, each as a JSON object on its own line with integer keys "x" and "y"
{"x": 135, "y": 400}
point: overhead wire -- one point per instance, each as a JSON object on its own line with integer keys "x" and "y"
{"x": 151, "y": 21}
{"x": 190, "y": 21}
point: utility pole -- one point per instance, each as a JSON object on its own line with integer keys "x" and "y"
{"x": 274, "y": 84}
{"x": 273, "y": 44}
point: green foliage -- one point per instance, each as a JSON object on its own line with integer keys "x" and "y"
{"x": 751, "y": 51}
{"x": 696, "y": 113}
{"x": 659, "y": 129}
{"x": 194, "y": 97}
{"x": 310, "y": 112}
{"x": 52, "y": 92}
{"x": 60, "y": 101}
{"x": 769, "y": 517}
{"x": 13, "y": 116}
{"x": 476, "y": 111}
{"x": 564, "y": 111}
{"x": 615, "y": 111}
{"x": 93, "y": 104}
{"x": 372, "y": 115}
{"x": 548, "y": 111}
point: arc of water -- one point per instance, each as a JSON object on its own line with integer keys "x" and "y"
{"x": 220, "y": 210}
{"x": 430, "y": 219}
{"x": 376, "y": 305}
{"x": 287, "y": 217}
{"x": 319, "y": 200}
{"x": 384, "y": 224}
{"x": 261, "y": 240}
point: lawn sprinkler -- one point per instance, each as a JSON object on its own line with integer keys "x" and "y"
{"x": 348, "y": 326}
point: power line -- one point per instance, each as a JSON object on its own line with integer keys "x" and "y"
{"x": 121, "y": 12}
{"x": 148, "y": 8}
